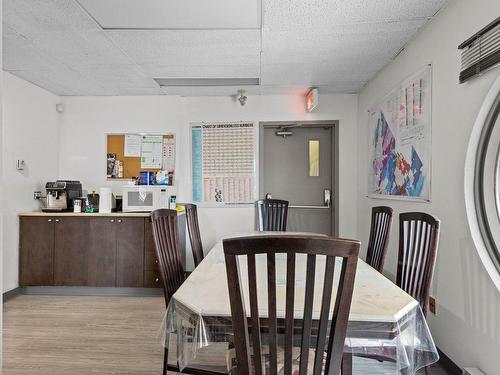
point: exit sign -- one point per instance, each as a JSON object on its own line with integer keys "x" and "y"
{"x": 311, "y": 100}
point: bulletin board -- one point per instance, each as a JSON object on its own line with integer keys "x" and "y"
{"x": 224, "y": 163}
{"x": 133, "y": 165}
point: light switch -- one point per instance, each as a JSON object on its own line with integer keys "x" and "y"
{"x": 20, "y": 164}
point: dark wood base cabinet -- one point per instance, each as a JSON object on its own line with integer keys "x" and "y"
{"x": 114, "y": 251}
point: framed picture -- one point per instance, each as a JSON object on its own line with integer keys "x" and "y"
{"x": 399, "y": 144}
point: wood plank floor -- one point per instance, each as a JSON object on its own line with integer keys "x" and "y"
{"x": 61, "y": 335}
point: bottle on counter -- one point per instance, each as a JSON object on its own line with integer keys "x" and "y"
{"x": 92, "y": 202}
{"x": 172, "y": 202}
{"x": 77, "y": 205}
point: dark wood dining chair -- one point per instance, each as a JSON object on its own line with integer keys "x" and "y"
{"x": 378, "y": 242}
{"x": 167, "y": 246}
{"x": 194, "y": 233}
{"x": 418, "y": 244}
{"x": 272, "y": 214}
{"x": 328, "y": 362}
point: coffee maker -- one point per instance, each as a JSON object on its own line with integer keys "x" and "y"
{"x": 60, "y": 195}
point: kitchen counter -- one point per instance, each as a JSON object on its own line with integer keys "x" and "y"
{"x": 84, "y": 214}
{"x": 90, "y": 249}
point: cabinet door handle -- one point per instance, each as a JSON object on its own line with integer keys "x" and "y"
{"x": 57, "y": 220}
{"x": 112, "y": 220}
{"x": 156, "y": 261}
{"x": 49, "y": 220}
{"x": 119, "y": 220}
{"x": 156, "y": 280}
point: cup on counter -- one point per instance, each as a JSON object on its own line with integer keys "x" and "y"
{"x": 77, "y": 205}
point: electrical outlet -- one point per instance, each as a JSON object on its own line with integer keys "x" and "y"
{"x": 37, "y": 195}
{"x": 432, "y": 305}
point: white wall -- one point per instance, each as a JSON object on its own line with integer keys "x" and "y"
{"x": 1, "y": 184}
{"x": 30, "y": 132}
{"x": 86, "y": 120}
{"x": 467, "y": 325}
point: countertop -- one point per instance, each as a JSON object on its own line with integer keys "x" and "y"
{"x": 84, "y": 214}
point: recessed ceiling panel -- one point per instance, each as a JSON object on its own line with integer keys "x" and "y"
{"x": 175, "y": 14}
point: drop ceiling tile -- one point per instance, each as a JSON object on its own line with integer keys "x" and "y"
{"x": 89, "y": 48}
{"x": 136, "y": 91}
{"x": 201, "y": 71}
{"x": 210, "y": 91}
{"x": 174, "y": 14}
{"x": 117, "y": 76}
{"x": 190, "y": 47}
{"x": 293, "y": 14}
{"x": 20, "y": 54}
{"x": 344, "y": 53}
{"x": 60, "y": 80}
{"x": 310, "y": 75}
{"x": 30, "y": 17}
{"x": 336, "y": 44}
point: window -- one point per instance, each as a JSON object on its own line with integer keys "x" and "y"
{"x": 314, "y": 158}
{"x": 482, "y": 183}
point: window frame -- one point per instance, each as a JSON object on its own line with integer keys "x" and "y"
{"x": 481, "y": 183}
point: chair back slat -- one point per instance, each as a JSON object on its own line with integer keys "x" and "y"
{"x": 323, "y": 320}
{"x": 340, "y": 317}
{"x": 331, "y": 325}
{"x": 418, "y": 243}
{"x": 271, "y": 305}
{"x": 289, "y": 312}
{"x": 272, "y": 214}
{"x": 308, "y": 309}
{"x": 239, "y": 320}
{"x": 194, "y": 232}
{"x": 379, "y": 237}
{"x": 254, "y": 312}
{"x": 167, "y": 247}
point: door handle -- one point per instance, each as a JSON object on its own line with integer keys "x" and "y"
{"x": 327, "y": 197}
{"x": 327, "y": 202}
{"x": 311, "y": 207}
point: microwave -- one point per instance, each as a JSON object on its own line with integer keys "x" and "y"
{"x": 146, "y": 198}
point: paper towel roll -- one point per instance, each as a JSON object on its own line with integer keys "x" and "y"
{"x": 105, "y": 200}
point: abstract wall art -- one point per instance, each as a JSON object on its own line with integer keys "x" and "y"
{"x": 399, "y": 129}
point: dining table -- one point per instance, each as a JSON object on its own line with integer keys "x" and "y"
{"x": 385, "y": 322}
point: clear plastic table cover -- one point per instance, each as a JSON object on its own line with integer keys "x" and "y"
{"x": 197, "y": 328}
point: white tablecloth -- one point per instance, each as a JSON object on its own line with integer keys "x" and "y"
{"x": 384, "y": 321}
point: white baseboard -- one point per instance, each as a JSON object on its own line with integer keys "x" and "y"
{"x": 473, "y": 371}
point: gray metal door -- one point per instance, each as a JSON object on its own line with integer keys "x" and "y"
{"x": 296, "y": 166}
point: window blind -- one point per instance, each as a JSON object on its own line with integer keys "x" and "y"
{"x": 481, "y": 51}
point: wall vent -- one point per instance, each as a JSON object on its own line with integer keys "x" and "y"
{"x": 481, "y": 51}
